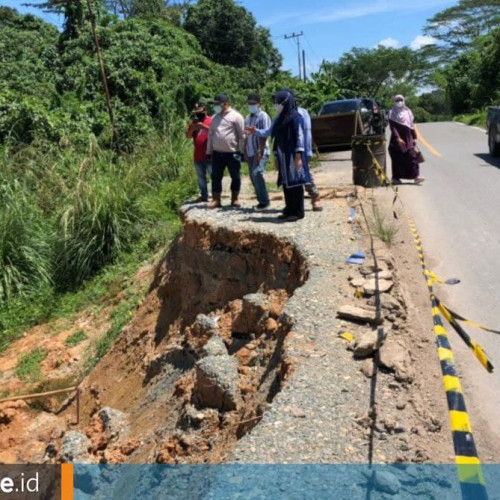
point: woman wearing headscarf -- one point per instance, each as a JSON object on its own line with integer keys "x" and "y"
{"x": 290, "y": 153}
{"x": 402, "y": 144}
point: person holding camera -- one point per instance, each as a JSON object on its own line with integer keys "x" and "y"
{"x": 225, "y": 146}
{"x": 198, "y": 131}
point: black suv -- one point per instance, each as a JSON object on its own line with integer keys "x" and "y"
{"x": 372, "y": 115}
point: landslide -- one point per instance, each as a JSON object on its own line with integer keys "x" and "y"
{"x": 195, "y": 368}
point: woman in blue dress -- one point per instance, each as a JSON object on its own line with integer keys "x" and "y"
{"x": 290, "y": 155}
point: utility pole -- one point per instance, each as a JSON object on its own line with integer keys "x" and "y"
{"x": 116, "y": 144}
{"x": 297, "y": 36}
{"x": 304, "y": 64}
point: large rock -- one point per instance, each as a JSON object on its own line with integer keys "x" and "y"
{"x": 373, "y": 286}
{"x": 75, "y": 448}
{"x": 214, "y": 347}
{"x": 391, "y": 355}
{"x": 255, "y": 310}
{"x": 386, "y": 482}
{"x": 216, "y": 384}
{"x": 381, "y": 275}
{"x": 204, "y": 326}
{"x": 386, "y": 301}
{"x": 364, "y": 315}
{"x": 114, "y": 423}
{"x": 368, "y": 342}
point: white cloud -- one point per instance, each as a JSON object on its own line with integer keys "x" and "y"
{"x": 422, "y": 40}
{"x": 390, "y": 43}
{"x": 338, "y": 14}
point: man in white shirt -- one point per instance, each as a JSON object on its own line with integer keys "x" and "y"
{"x": 225, "y": 146}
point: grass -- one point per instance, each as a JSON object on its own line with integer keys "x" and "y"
{"x": 478, "y": 119}
{"x": 28, "y": 368}
{"x": 75, "y": 235}
{"x": 380, "y": 227}
{"x": 120, "y": 316}
{"x": 76, "y": 338}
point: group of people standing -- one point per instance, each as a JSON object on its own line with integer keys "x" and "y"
{"x": 226, "y": 139}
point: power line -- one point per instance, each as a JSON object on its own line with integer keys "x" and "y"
{"x": 318, "y": 59}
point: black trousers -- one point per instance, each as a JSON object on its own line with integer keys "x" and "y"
{"x": 294, "y": 200}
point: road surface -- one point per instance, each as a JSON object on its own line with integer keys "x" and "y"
{"x": 457, "y": 213}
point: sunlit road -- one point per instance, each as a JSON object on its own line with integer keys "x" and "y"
{"x": 457, "y": 213}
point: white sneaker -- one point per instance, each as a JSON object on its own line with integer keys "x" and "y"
{"x": 419, "y": 180}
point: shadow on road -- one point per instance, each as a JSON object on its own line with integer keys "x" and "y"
{"x": 490, "y": 160}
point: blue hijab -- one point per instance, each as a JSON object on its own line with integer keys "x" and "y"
{"x": 288, "y": 114}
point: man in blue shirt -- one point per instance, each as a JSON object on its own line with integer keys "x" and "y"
{"x": 257, "y": 149}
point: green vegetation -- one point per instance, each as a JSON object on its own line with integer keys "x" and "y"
{"x": 76, "y": 338}
{"x": 478, "y": 119}
{"x": 28, "y": 367}
{"x": 380, "y": 227}
{"x": 85, "y": 201}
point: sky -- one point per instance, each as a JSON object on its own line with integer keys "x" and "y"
{"x": 330, "y": 27}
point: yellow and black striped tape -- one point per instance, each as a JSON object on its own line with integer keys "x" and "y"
{"x": 384, "y": 181}
{"x": 468, "y": 464}
{"x": 473, "y": 346}
{"x": 455, "y": 315}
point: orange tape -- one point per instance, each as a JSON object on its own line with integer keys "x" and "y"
{"x": 67, "y": 482}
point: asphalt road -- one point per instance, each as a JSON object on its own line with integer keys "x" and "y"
{"x": 457, "y": 213}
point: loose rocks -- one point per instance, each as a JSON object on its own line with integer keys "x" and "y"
{"x": 216, "y": 383}
{"x": 75, "y": 448}
{"x": 364, "y": 315}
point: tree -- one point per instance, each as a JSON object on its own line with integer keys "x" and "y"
{"x": 172, "y": 11}
{"x": 73, "y": 12}
{"x": 378, "y": 72}
{"x": 229, "y": 35}
{"x": 457, "y": 27}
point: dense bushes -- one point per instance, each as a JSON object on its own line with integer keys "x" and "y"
{"x": 69, "y": 204}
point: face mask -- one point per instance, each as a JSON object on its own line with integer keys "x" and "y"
{"x": 217, "y": 108}
{"x": 253, "y": 108}
{"x": 200, "y": 116}
{"x": 278, "y": 108}
{"x": 400, "y": 104}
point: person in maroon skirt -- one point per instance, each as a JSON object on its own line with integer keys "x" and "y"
{"x": 402, "y": 144}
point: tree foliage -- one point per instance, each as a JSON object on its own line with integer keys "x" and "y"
{"x": 377, "y": 72}
{"x": 457, "y": 27}
{"x": 229, "y": 35}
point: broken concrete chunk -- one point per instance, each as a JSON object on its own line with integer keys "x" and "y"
{"x": 214, "y": 347}
{"x": 386, "y": 301}
{"x": 216, "y": 383}
{"x": 75, "y": 448}
{"x": 255, "y": 308}
{"x": 373, "y": 286}
{"x": 391, "y": 355}
{"x": 386, "y": 482}
{"x": 358, "y": 282}
{"x": 368, "y": 342}
{"x": 370, "y": 268}
{"x": 368, "y": 314}
{"x": 382, "y": 275}
{"x": 114, "y": 423}
{"x": 204, "y": 325}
